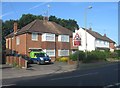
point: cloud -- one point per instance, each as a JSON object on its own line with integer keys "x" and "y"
{"x": 6, "y": 14}
{"x": 37, "y": 6}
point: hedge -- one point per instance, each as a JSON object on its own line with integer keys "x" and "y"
{"x": 91, "y": 56}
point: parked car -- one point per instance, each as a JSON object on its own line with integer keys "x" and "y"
{"x": 39, "y": 57}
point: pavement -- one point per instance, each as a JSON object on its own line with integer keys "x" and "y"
{"x": 34, "y": 69}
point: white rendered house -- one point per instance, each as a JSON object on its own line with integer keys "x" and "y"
{"x": 91, "y": 40}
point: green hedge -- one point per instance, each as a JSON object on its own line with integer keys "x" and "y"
{"x": 76, "y": 55}
{"x": 95, "y": 56}
{"x": 91, "y": 56}
{"x": 118, "y": 52}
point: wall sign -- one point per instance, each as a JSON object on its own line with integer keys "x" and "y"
{"x": 77, "y": 40}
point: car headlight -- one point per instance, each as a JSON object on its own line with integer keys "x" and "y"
{"x": 41, "y": 58}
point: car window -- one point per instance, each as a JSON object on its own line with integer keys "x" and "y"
{"x": 39, "y": 54}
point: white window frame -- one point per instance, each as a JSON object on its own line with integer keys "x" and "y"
{"x": 36, "y": 36}
{"x": 46, "y": 37}
{"x": 66, "y": 52}
{"x": 61, "y": 38}
{"x": 51, "y": 53}
{"x": 17, "y": 40}
{"x": 7, "y": 43}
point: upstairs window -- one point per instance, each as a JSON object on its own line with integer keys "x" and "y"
{"x": 63, "y": 38}
{"x": 34, "y": 36}
{"x": 17, "y": 40}
{"x": 48, "y": 37}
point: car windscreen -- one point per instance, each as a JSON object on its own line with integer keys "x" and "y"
{"x": 39, "y": 54}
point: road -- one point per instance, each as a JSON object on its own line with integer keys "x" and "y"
{"x": 106, "y": 76}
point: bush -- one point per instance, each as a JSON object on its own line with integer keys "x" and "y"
{"x": 118, "y": 52}
{"x": 77, "y": 55}
{"x": 63, "y": 59}
{"x": 94, "y": 56}
{"x": 91, "y": 56}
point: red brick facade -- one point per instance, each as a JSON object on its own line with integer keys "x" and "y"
{"x": 26, "y": 42}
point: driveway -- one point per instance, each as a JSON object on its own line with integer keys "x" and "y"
{"x": 34, "y": 69}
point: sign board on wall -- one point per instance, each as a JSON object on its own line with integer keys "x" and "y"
{"x": 77, "y": 40}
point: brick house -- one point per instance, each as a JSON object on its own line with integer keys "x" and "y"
{"x": 54, "y": 39}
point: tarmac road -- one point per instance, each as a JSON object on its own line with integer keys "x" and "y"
{"x": 105, "y": 76}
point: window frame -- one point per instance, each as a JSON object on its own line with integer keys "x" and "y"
{"x": 46, "y": 37}
{"x": 53, "y": 51}
{"x": 17, "y": 40}
{"x": 36, "y": 37}
{"x": 61, "y": 38}
{"x": 59, "y": 52}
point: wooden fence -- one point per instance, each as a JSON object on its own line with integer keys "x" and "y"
{"x": 16, "y": 61}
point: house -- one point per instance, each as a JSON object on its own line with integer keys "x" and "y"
{"x": 91, "y": 40}
{"x": 118, "y": 47}
{"x": 40, "y": 34}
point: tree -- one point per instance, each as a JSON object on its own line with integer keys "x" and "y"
{"x": 27, "y": 18}
{"x": 70, "y": 24}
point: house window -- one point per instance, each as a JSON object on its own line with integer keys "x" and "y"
{"x": 63, "y": 52}
{"x": 34, "y": 36}
{"x": 50, "y": 52}
{"x": 48, "y": 37}
{"x": 63, "y": 38}
{"x": 98, "y": 41}
{"x": 7, "y": 43}
{"x": 17, "y": 40}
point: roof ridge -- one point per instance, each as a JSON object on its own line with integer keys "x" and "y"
{"x": 32, "y": 24}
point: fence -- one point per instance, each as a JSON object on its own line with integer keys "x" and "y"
{"x": 16, "y": 61}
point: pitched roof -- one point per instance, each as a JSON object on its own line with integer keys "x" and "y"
{"x": 99, "y": 36}
{"x": 43, "y": 26}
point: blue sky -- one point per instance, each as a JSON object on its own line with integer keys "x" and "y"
{"x": 103, "y": 17}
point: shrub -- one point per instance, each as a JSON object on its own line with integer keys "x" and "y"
{"x": 94, "y": 56}
{"x": 118, "y": 52}
{"x": 63, "y": 59}
{"x": 113, "y": 55}
{"x": 77, "y": 55}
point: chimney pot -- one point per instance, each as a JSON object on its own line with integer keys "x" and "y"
{"x": 15, "y": 27}
{"x": 90, "y": 29}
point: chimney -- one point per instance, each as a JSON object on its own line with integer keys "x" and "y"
{"x": 15, "y": 27}
{"x": 90, "y": 29}
{"x": 105, "y": 35}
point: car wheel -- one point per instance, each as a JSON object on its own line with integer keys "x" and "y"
{"x": 31, "y": 62}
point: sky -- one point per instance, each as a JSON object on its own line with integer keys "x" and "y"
{"x": 102, "y": 18}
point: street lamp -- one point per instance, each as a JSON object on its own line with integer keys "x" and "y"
{"x": 85, "y": 14}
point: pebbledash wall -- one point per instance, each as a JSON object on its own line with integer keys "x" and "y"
{"x": 91, "y": 40}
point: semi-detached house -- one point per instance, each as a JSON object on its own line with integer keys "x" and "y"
{"x": 52, "y": 38}
{"x": 91, "y": 40}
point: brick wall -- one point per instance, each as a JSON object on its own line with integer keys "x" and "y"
{"x": 26, "y": 42}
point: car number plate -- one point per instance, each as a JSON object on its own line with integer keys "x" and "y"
{"x": 46, "y": 61}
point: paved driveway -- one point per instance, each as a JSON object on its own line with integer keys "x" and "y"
{"x": 34, "y": 69}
